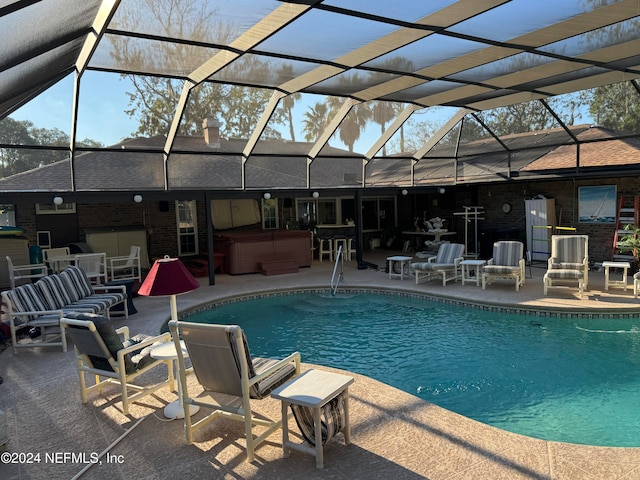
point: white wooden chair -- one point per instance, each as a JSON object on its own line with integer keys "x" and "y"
{"x": 25, "y": 272}
{"x": 569, "y": 262}
{"x": 445, "y": 265}
{"x": 507, "y": 263}
{"x": 94, "y": 265}
{"x": 126, "y": 267}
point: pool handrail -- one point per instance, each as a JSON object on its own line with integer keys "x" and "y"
{"x": 335, "y": 282}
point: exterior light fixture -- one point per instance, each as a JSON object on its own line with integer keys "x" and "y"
{"x": 58, "y": 200}
{"x": 441, "y": 190}
{"x": 137, "y": 198}
{"x": 315, "y": 194}
{"x": 267, "y": 196}
{"x": 405, "y": 191}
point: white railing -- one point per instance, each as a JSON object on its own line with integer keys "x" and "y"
{"x": 336, "y": 281}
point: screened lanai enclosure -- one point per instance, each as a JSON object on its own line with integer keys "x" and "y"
{"x": 246, "y": 94}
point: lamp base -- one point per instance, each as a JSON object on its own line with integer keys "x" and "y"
{"x": 174, "y": 410}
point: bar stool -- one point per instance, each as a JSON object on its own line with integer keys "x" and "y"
{"x": 325, "y": 248}
{"x": 337, "y": 243}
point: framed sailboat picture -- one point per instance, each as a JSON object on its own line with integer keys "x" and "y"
{"x": 597, "y": 204}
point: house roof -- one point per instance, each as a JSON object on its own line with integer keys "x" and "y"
{"x": 136, "y": 164}
{"x": 471, "y": 54}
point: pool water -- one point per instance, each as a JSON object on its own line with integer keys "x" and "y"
{"x": 570, "y": 380}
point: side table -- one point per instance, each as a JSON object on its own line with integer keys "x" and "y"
{"x": 615, "y": 283}
{"x": 313, "y": 389}
{"x": 472, "y": 265}
{"x": 404, "y": 265}
{"x": 167, "y": 351}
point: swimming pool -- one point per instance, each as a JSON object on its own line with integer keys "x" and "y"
{"x": 570, "y": 380}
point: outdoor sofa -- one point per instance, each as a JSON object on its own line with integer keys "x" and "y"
{"x": 44, "y": 303}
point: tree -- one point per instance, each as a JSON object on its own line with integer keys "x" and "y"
{"x": 315, "y": 121}
{"x": 23, "y": 132}
{"x": 615, "y": 106}
{"x": 154, "y": 99}
{"x": 288, "y": 102}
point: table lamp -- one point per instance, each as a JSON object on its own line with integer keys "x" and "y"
{"x": 168, "y": 277}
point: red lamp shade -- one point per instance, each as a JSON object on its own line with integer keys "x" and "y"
{"x": 168, "y": 276}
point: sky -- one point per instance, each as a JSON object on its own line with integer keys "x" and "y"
{"x": 103, "y": 101}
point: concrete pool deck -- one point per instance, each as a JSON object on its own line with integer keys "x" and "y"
{"x": 394, "y": 434}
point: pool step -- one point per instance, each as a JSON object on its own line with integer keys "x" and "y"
{"x": 277, "y": 267}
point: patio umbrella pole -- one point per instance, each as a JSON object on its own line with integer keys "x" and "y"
{"x": 106, "y": 450}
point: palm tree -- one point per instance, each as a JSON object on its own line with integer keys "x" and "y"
{"x": 288, "y": 102}
{"x": 315, "y": 121}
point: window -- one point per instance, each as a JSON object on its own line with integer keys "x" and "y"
{"x": 52, "y": 208}
{"x": 7, "y": 215}
{"x": 187, "y": 220}
{"x": 378, "y": 213}
{"x": 270, "y": 213}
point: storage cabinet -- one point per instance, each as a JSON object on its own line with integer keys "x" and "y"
{"x": 18, "y": 249}
{"x": 117, "y": 243}
{"x": 540, "y": 220}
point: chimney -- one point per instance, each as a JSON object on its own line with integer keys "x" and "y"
{"x": 211, "y": 128}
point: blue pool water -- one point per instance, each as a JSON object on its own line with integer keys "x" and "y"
{"x": 570, "y": 380}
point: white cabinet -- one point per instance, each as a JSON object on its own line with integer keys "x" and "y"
{"x": 18, "y": 249}
{"x": 117, "y": 243}
{"x": 541, "y": 220}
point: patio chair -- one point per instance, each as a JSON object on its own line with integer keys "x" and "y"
{"x": 126, "y": 267}
{"x": 94, "y": 266}
{"x": 568, "y": 264}
{"x": 507, "y": 263}
{"x": 446, "y": 264}
{"x": 57, "y": 259}
{"x": 222, "y": 363}
{"x": 636, "y": 284}
{"x": 24, "y": 272}
{"x": 101, "y": 352}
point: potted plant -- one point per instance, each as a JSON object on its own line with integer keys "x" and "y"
{"x": 629, "y": 243}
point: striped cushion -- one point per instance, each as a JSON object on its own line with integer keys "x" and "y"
{"x": 433, "y": 266}
{"x": 501, "y": 270}
{"x": 332, "y": 420}
{"x": 569, "y": 248}
{"x": 54, "y": 292}
{"x": 565, "y": 274}
{"x": 507, "y": 253}
{"x": 259, "y": 365}
{"x": 567, "y": 266}
{"x": 26, "y": 298}
{"x": 77, "y": 282}
{"x": 265, "y": 386}
{"x": 448, "y": 252}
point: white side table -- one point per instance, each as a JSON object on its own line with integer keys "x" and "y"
{"x": 313, "y": 389}
{"x": 404, "y": 265}
{"x": 472, "y": 265}
{"x": 615, "y": 283}
{"x": 167, "y": 351}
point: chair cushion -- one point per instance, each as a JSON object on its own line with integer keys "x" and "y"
{"x": 507, "y": 253}
{"x": 258, "y": 365}
{"x": 562, "y": 274}
{"x": 54, "y": 292}
{"x": 501, "y": 270}
{"x": 567, "y": 266}
{"x": 432, "y": 266}
{"x": 110, "y": 338}
{"x": 448, "y": 252}
{"x": 27, "y": 298}
{"x": 77, "y": 282}
{"x": 273, "y": 381}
